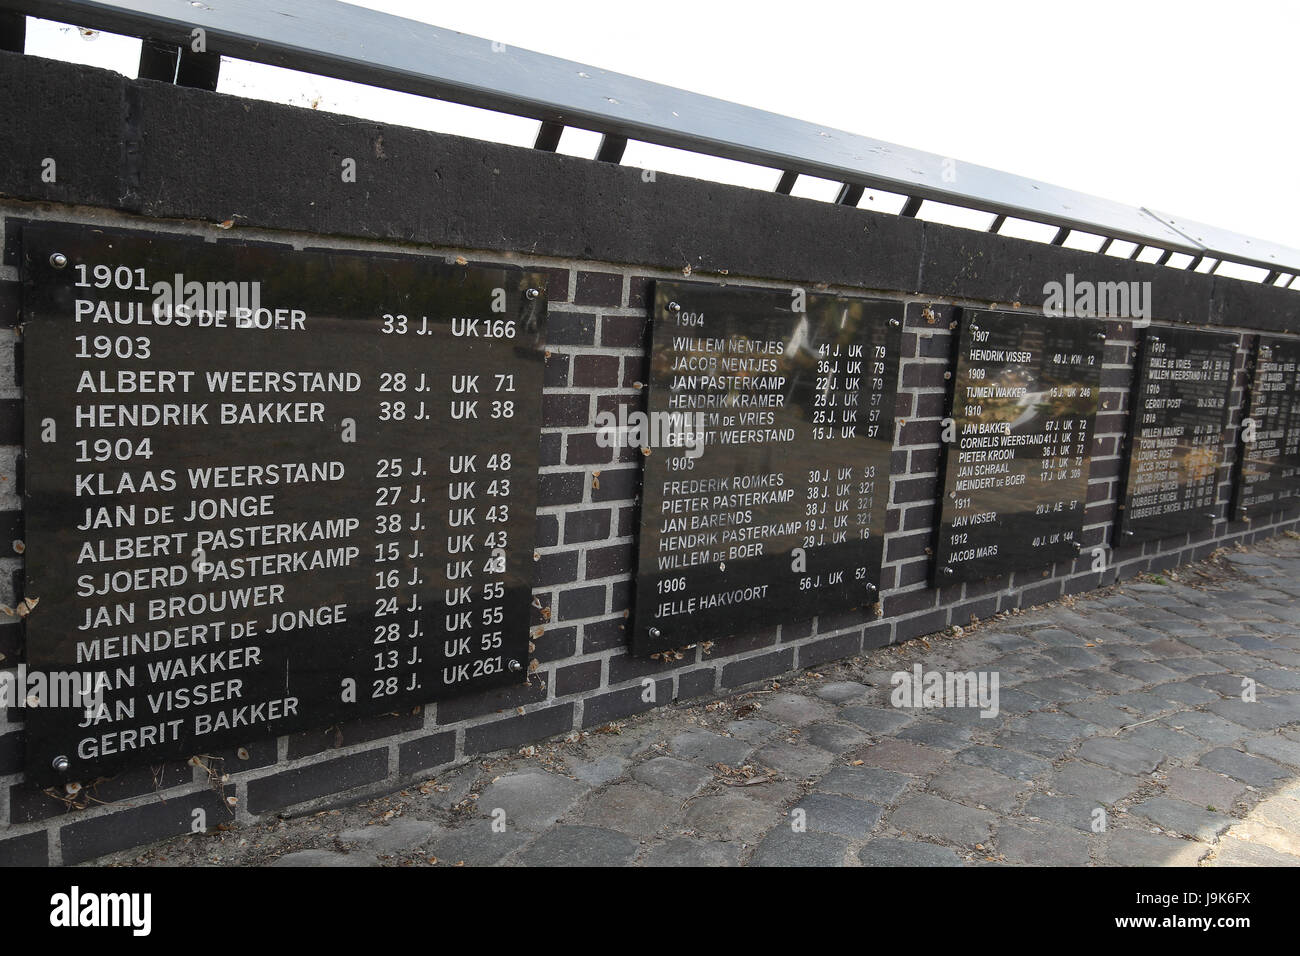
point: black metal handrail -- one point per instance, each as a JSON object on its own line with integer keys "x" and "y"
{"x": 365, "y": 46}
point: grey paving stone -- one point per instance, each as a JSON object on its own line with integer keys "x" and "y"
{"x": 1132, "y": 847}
{"x": 1008, "y": 642}
{"x": 977, "y": 786}
{"x": 753, "y": 729}
{"x": 631, "y": 808}
{"x": 1039, "y": 844}
{"x": 1185, "y": 818}
{"x": 1006, "y": 762}
{"x": 1105, "y": 682}
{"x": 1141, "y": 704}
{"x": 1055, "y": 725}
{"x": 877, "y": 720}
{"x": 731, "y": 817}
{"x": 1012, "y": 701}
{"x": 1072, "y": 657}
{"x": 1031, "y": 744}
{"x": 1099, "y": 713}
{"x": 929, "y": 816}
{"x": 797, "y": 761}
{"x": 1146, "y": 671}
{"x": 1056, "y": 637}
{"x": 1276, "y": 747}
{"x": 937, "y": 734}
{"x": 1256, "y": 771}
{"x": 1164, "y": 740}
{"x": 1226, "y": 685}
{"x": 398, "y": 836}
{"x": 1119, "y": 755}
{"x": 796, "y": 709}
{"x": 672, "y": 776}
{"x": 475, "y": 844}
{"x": 1184, "y": 692}
{"x": 532, "y": 799}
{"x": 1276, "y": 678}
{"x": 580, "y": 846}
{"x": 1203, "y": 788}
{"x": 325, "y": 858}
{"x": 1208, "y": 727}
{"x": 836, "y": 738}
{"x": 1258, "y": 715}
{"x": 843, "y": 816}
{"x": 684, "y": 852}
{"x": 708, "y": 748}
{"x": 1078, "y": 813}
{"x": 871, "y": 784}
{"x": 1097, "y": 784}
{"x": 903, "y": 756}
{"x": 886, "y": 851}
{"x": 1056, "y": 690}
{"x": 784, "y": 847}
{"x": 837, "y": 692}
{"x": 596, "y": 773}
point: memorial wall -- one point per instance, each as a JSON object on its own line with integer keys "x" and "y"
{"x": 352, "y": 491}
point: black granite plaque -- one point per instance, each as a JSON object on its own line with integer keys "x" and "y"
{"x": 269, "y": 489}
{"x": 764, "y": 495}
{"x": 1019, "y": 443}
{"x": 1268, "y": 460}
{"x": 1176, "y": 433}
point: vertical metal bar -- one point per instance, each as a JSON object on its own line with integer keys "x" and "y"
{"x": 1105, "y": 246}
{"x": 849, "y": 195}
{"x": 911, "y": 207}
{"x": 199, "y": 70}
{"x": 1137, "y": 251}
{"x": 548, "y": 136}
{"x": 1195, "y": 263}
{"x": 611, "y": 148}
{"x": 13, "y": 32}
{"x": 1271, "y": 277}
{"x": 1164, "y": 257}
{"x": 786, "y": 182}
{"x": 998, "y": 222}
{"x": 1062, "y": 234}
{"x": 1217, "y": 263}
{"x": 158, "y": 60}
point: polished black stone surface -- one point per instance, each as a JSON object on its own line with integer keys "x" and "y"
{"x": 1176, "y": 433}
{"x": 781, "y": 514}
{"x": 245, "y": 524}
{"x": 1015, "y": 476}
{"x": 1268, "y": 461}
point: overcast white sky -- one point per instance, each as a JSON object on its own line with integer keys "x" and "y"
{"x": 1188, "y": 107}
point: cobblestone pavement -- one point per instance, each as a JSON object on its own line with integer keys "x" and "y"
{"x": 1122, "y": 739}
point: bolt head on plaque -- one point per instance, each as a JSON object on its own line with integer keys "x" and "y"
{"x": 949, "y": 570}
{"x": 674, "y": 307}
{"x": 515, "y": 667}
{"x": 58, "y": 260}
{"x": 61, "y": 763}
{"x": 1102, "y": 336}
{"x": 533, "y": 293}
{"x": 894, "y": 323}
{"x": 654, "y": 632}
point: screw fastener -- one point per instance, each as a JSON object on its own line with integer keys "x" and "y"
{"x": 654, "y": 632}
{"x": 58, "y": 260}
{"x": 515, "y": 667}
{"x": 61, "y": 763}
{"x": 674, "y": 307}
{"x": 533, "y": 293}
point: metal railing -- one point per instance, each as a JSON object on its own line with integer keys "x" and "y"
{"x": 377, "y": 49}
